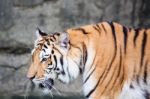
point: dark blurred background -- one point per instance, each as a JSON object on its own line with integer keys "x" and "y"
{"x": 18, "y": 22}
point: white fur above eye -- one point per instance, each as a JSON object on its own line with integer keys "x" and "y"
{"x": 45, "y": 54}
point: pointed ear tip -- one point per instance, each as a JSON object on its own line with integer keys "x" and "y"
{"x": 38, "y": 32}
{"x": 38, "y": 29}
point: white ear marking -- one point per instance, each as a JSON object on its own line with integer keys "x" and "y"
{"x": 64, "y": 40}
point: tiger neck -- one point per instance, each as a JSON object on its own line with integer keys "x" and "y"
{"x": 73, "y": 62}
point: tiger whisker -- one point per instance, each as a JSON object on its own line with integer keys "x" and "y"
{"x": 40, "y": 79}
{"x": 47, "y": 88}
{"x": 26, "y": 90}
{"x": 56, "y": 90}
{"x": 51, "y": 94}
{"x": 26, "y": 97}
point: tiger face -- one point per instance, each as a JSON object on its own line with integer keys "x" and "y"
{"x": 37, "y": 69}
{"x": 49, "y": 60}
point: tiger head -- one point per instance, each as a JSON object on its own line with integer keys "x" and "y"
{"x": 50, "y": 61}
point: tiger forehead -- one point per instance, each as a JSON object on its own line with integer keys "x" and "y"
{"x": 48, "y": 40}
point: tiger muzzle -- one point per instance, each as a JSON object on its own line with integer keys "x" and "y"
{"x": 47, "y": 84}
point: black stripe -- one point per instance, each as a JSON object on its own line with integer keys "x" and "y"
{"x": 52, "y": 52}
{"x": 119, "y": 69}
{"x": 143, "y": 47}
{"x": 125, "y": 32}
{"x": 120, "y": 64}
{"x": 85, "y": 55}
{"x": 62, "y": 63}
{"x": 56, "y": 33}
{"x": 81, "y": 29}
{"x": 114, "y": 34}
{"x": 80, "y": 70}
{"x": 130, "y": 29}
{"x": 97, "y": 29}
{"x": 113, "y": 31}
{"x": 115, "y": 68}
{"x": 61, "y": 60}
{"x": 91, "y": 65}
{"x": 102, "y": 75}
{"x": 110, "y": 66}
{"x": 145, "y": 73}
{"x": 51, "y": 40}
{"x": 104, "y": 28}
{"x": 131, "y": 86}
{"x": 45, "y": 46}
{"x": 44, "y": 50}
{"x": 87, "y": 96}
{"x": 135, "y": 37}
{"x": 89, "y": 76}
{"x": 146, "y": 94}
{"x": 55, "y": 59}
{"x": 54, "y": 37}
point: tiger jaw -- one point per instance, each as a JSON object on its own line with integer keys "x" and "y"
{"x": 48, "y": 84}
{"x": 44, "y": 84}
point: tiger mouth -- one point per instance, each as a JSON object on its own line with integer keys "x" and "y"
{"x": 48, "y": 84}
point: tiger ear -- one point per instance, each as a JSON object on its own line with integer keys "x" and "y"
{"x": 64, "y": 40}
{"x": 40, "y": 34}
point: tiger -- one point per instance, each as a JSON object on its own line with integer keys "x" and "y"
{"x": 114, "y": 60}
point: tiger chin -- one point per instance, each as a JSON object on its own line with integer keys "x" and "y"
{"x": 113, "y": 60}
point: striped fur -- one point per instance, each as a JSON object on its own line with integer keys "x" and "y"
{"x": 113, "y": 59}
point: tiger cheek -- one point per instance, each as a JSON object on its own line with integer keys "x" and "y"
{"x": 40, "y": 72}
{"x": 44, "y": 65}
{"x": 31, "y": 71}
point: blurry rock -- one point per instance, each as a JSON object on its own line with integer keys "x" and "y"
{"x": 27, "y": 3}
{"x": 13, "y": 81}
{"x": 6, "y": 13}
